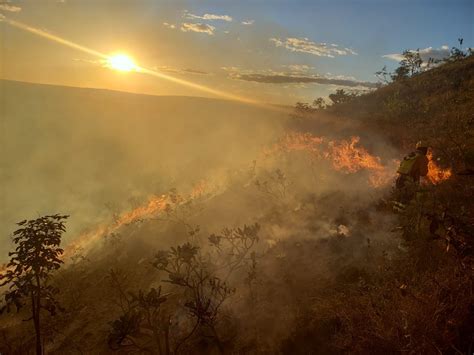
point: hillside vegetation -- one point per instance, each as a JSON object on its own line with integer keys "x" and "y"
{"x": 289, "y": 253}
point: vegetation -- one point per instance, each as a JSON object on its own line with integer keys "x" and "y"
{"x": 311, "y": 270}
{"x": 36, "y": 256}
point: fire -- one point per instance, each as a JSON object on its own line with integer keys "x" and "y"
{"x": 296, "y": 142}
{"x": 153, "y": 207}
{"x": 345, "y": 155}
{"x": 435, "y": 173}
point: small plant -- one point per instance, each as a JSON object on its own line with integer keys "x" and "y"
{"x": 143, "y": 325}
{"x": 205, "y": 292}
{"x": 234, "y": 247}
{"x": 204, "y": 278}
{"x": 275, "y": 186}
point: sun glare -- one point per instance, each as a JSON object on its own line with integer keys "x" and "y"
{"x": 121, "y": 62}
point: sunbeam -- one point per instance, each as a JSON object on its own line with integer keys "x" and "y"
{"x": 127, "y": 66}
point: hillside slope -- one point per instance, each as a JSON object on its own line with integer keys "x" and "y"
{"x": 436, "y": 105}
{"x": 293, "y": 254}
{"x": 80, "y": 149}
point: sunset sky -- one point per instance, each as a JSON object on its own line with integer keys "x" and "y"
{"x": 275, "y": 51}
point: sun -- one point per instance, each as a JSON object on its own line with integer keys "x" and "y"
{"x": 121, "y": 62}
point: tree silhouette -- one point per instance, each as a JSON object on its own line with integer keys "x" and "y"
{"x": 409, "y": 65}
{"x": 383, "y": 75}
{"x": 28, "y": 272}
{"x": 341, "y": 96}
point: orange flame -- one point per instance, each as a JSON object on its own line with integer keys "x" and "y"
{"x": 435, "y": 173}
{"x": 296, "y": 142}
{"x": 345, "y": 156}
{"x": 349, "y": 158}
{"x": 154, "y": 206}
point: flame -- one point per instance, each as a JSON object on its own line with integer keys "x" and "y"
{"x": 435, "y": 173}
{"x": 345, "y": 155}
{"x": 153, "y": 207}
{"x": 296, "y": 142}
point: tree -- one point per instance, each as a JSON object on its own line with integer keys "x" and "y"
{"x": 304, "y": 110}
{"x": 36, "y": 256}
{"x": 458, "y": 53}
{"x": 400, "y": 73}
{"x": 383, "y": 75}
{"x": 187, "y": 269}
{"x": 204, "y": 279}
{"x": 341, "y": 96}
{"x": 409, "y": 65}
{"x": 319, "y": 103}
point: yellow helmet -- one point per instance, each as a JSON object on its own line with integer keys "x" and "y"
{"x": 421, "y": 144}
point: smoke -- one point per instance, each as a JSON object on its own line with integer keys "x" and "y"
{"x": 92, "y": 153}
{"x": 175, "y": 170}
{"x": 289, "y": 175}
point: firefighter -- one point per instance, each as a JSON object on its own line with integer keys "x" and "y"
{"x": 412, "y": 168}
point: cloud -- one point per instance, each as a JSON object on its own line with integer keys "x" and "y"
{"x": 394, "y": 56}
{"x": 248, "y": 22}
{"x": 210, "y": 17}
{"x": 304, "y": 45}
{"x": 169, "y": 25}
{"x": 198, "y": 27}
{"x": 436, "y": 53}
{"x": 292, "y": 79}
{"x": 9, "y": 8}
{"x": 299, "y": 68}
{"x": 2, "y": 17}
{"x": 298, "y": 75}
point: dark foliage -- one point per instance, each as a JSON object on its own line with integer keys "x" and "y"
{"x": 36, "y": 256}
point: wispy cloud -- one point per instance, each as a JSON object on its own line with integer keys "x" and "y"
{"x": 304, "y": 45}
{"x": 425, "y": 54}
{"x": 298, "y": 74}
{"x": 394, "y": 56}
{"x": 198, "y": 27}
{"x": 169, "y": 25}
{"x": 292, "y": 79}
{"x": 9, "y": 8}
{"x": 248, "y": 22}
{"x": 209, "y": 17}
{"x": 298, "y": 68}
